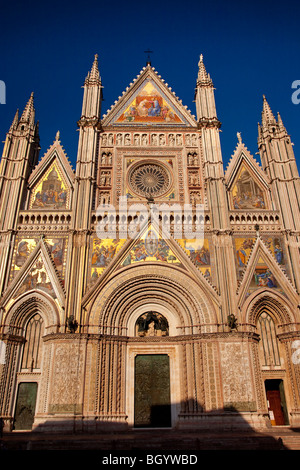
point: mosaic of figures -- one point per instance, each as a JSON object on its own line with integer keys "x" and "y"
{"x": 51, "y": 192}
{"x": 199, "y": 253}
{"x": 246, "y": 193}
{"x": 149, "y": 248}
{"x": 103, "y": 251}
{"x": 149, "y": 106}
{"x": 243, "y": 247}
{"x": 263, "y": 276}
{"x": 277, "y": 247}
{"x": 145, "y": 139}
{"x": 37, "y": 278}
{"x": 25, "y": 246}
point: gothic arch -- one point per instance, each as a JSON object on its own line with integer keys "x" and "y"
{"x": 275, "y": 304}
{"x": 188, "y": 310}
{"x": 28, "y": 304}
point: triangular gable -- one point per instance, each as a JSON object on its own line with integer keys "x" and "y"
{"x": 151, "y": 245}
{"x": 38, "y": 273}
{"x": 247, "y": 183}
{"x": 24, "y": 246}
{"x": 149, "y": 101}
{"x": 51, "y": 182}
{"x": 263, "y": 272}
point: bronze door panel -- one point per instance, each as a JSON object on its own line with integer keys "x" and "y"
{"x": 152, "y": 406}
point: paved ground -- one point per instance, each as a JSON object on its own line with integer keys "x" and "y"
{"x": 279, "y": 438}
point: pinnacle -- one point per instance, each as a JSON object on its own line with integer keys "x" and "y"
{"x": 267, "y": 115}
{"x": 28, "y": 113}
{"x": 15, "y": 121}
{"x": 280, "y": 123}
{"x": 203, "y": 76}
{"x": 94, "y": 74}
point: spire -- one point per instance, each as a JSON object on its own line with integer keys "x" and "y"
{"x": 203, "y": 76}
{"x": 29, "y": 112}
{"x": 204, "y": 96}
{"x": 94, "y": 75}
{"x": 281, "y": 126}
{"x": 92, "y": 96}
{"x": 15, "y": 122}
{"x": 267, "y": 115}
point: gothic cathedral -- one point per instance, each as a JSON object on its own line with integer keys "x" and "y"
{"x": 111, "y": 319}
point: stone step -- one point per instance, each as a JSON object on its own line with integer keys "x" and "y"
{"x": 291, "y": 442}
{"x": 151, "y": 441}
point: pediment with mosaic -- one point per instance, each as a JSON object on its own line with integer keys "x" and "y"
{"x": 51, "y": 192}
{"x": 149, "y": 105}
{"x": 24, "y": 246}
{"x": 247, "y": 193}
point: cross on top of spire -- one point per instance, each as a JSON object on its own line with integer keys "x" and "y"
{"x": 148, "y": 57}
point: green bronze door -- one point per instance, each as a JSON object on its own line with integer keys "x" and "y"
{"x": 25, "y": 406}
{"x": 152, "y": 406}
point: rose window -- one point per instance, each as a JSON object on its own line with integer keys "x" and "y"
{"x": 150, "y": 180}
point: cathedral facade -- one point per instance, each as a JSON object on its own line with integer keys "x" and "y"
{"x": 149, "y": 287}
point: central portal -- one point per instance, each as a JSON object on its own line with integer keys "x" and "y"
{"x": 152, "y": 406}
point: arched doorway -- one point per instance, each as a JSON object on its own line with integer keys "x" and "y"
{"x": 26, "y": 322}
{"x": 30, "y": 367}
{"x": 143, "y": 315}
{"x": 152, "y": 395}
{"x": 269, "y": 313}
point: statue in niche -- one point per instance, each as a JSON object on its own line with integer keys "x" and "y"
{"x": 152, "y": 324}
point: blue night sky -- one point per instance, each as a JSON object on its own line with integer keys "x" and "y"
{"x": 249, "y": 49}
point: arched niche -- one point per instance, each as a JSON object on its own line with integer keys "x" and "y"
{"x": 151, "y": 323}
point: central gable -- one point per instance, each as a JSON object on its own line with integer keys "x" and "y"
{"x": 149, "y": 101}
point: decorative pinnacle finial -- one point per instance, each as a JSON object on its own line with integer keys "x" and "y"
{"x": 239, "y": 136}
{"x": 28, "y": 113}
{"x": 267, "y": 114}
{"x": 203, "y": 76}
{"x": 94, "y": 75}
{"x": 57, "y": 135}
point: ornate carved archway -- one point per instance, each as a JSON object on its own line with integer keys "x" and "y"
{"x": 192, "y": 310}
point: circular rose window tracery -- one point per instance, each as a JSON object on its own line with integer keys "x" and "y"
{"x": 149, "y": 180}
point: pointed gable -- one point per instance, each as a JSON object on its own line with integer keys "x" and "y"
{"x": 24, "y": 246}
{"x": 151, "y": 245}
{"x": 51, "y": 182}
{"x": 38, "y": 273}
{"x": 264, "y": 272}
{"x": 149, "y": 101}
{"x": 247, "y": 184}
